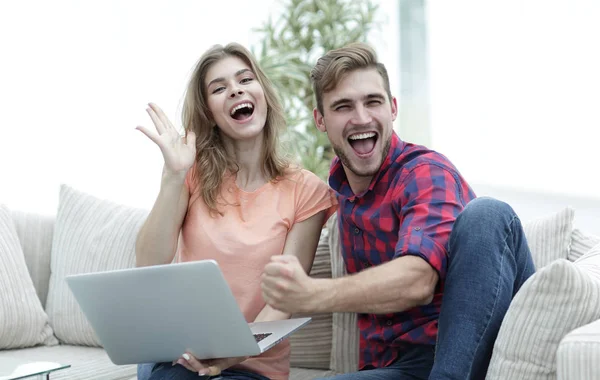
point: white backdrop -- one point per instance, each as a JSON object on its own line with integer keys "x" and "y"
{"x": 515, "y": 92}
{"x": 75, "y": 78}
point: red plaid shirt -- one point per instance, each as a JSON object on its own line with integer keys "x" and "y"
{"x": 409, "y": 209}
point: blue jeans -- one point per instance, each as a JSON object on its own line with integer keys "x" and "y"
{"x": 167, "y": 371}
{"x": 489, "y": 260}
{"x": 414, "y": 364}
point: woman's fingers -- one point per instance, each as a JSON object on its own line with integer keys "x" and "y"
{"x": 151, "y": 136}
{"x": 166, "y": 123}
{"x": 160, "y": 128}
{"x": 198, "y": 366}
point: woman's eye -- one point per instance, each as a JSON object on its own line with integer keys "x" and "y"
{"x": 246, "y": 80}
{"x": 218, "y": 89}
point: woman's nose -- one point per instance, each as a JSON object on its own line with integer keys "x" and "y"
{"x": 236, "y": 91}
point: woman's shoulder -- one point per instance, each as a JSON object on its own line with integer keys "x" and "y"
{"x": 299, "y": 176}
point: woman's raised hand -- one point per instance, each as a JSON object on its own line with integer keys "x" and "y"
{"x": 178, "y": 151}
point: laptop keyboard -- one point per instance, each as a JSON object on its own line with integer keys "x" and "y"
{"x": 261, "y": 336}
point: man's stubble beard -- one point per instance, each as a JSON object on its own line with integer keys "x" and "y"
{"x": 348, "y": 164}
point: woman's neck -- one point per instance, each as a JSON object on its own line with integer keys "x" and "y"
{"x": 248, "y": 154}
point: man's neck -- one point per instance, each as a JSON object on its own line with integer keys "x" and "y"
{"x": 358, "y": 184}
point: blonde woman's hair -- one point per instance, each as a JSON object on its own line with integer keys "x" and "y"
{"x": 336, "y": 64}
{"x": 212, "y": 160}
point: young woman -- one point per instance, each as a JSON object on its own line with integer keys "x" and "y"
{"x": 228, "y": 194}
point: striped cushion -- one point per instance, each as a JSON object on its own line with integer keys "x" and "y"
{"x": 35, "y": 233}
{"x": 345, "y": 349}
{"x": 23, "y": 322}
{"x": 578, "y": 353}
{"x": 553, "y": 302}
{"x": 549, "y": 237}
{"x": 90, "y": 235}
{"x": 581, "y": 244}
{"x": 311, "y": 345}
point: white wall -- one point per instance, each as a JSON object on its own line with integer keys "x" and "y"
{"x": 515, "y": 92}
{"x": 75, "y": 78}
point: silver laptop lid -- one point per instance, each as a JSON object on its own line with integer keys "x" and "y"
{"x": 196, "y": 313}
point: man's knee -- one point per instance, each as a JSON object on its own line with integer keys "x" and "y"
{"x": 485, "y": 211}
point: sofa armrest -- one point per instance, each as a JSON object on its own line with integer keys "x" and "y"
{"x": 345, "y": 340}
{"x": 578, "y": 353}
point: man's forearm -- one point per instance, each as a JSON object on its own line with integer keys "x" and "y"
{"x": 398, "y": 285}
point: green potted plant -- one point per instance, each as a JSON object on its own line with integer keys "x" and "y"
{"x": 290, "y": 45}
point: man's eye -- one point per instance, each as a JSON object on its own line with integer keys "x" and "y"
{"x": 374, "y": 102}
{"x": 341, "y": 108}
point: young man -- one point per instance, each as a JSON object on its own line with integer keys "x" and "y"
{"x": 411, "y": 232}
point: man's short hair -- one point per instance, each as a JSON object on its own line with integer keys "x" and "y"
{"x": 336, "y": 64}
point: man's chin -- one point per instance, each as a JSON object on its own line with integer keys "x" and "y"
{"x": 364, "y": 168}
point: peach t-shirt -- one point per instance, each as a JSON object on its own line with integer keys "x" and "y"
{"x": 253, "y": 227}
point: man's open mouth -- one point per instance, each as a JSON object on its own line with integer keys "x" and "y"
{"x": 242, "y": 111}
{"x": 363, "y": 143}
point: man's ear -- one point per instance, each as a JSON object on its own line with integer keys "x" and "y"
{"x": 320, "y": 123}
{"x": 394, "y": 105}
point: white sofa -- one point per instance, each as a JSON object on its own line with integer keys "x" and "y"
{"x": 90, "y": 234}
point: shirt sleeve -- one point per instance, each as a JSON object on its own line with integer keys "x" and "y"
{"x": 311, "y": 196}
{"x": 429, "y": 200}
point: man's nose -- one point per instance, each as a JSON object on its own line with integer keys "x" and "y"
{"x": 361, "y": 116}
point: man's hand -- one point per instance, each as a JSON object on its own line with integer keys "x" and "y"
{"x": 286, "y": 286}
{"x": 212, "y": 367}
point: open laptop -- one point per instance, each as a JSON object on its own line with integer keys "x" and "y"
{"x": 157, "y": 313}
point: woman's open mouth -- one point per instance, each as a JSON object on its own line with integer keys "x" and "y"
{"x": 363, "y": 143}
{"x": 242, "y": 111}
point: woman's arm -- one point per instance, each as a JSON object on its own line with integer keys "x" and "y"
{"x": 301, "y": 242}
{"x": 157, "y": 240}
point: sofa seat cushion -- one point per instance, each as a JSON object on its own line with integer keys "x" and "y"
{"x": 88, "y": 363}
{"x": 92, "y": 363}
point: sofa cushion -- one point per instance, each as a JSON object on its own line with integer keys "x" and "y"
{"x": 345, "y": 346}
{"x": 90, "y": 235}
{"x": 90, "y": 363}
{"x": 35, "y": 233}
{"x": 581, "y": 243}
{"x": 578, "y": 353}
{"x": 554, "y": 301}
{"x": 23, "y": 322}
{"x": 311, "y": 345}
{"x": 549, "y": 237}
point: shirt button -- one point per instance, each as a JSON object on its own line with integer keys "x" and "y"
{"x": 417, "y": 228}
{"x": 389, "y": 323}
{"x": 356, "y": 231}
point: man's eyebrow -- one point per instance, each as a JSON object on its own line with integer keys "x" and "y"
{"x": 338, "y": 102}
{"x": 221, "y": 79}
{"x": 341, "y": 101}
